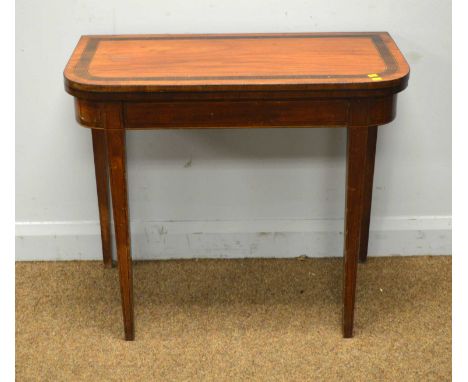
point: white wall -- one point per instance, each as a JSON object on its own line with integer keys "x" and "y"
{"x": 231, "y": 193}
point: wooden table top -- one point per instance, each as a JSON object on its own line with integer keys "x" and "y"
{"x": 293, "y": 61}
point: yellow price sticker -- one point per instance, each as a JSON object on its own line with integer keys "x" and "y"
{"x": 374, "y": 77}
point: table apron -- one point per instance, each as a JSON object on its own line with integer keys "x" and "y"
{"x": 242, "y": 113}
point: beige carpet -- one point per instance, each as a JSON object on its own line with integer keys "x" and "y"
{"x": 235, "y": 320}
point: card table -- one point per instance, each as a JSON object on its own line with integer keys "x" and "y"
{"x": 334, "y": 80}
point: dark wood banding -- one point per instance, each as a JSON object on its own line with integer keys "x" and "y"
{"x": 248, "y": 62}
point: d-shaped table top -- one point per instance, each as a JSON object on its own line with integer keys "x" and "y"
{"x": 292, "y": 61}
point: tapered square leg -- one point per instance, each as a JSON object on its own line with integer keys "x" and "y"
{"x": 102, "y": 185}
{"x": 115, "y": 136}
{"x": 367, "y": 199}
{"x": 355, "y": 187}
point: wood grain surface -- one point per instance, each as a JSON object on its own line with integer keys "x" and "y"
{"x": 102, "y": 185}
{"x": 151, "y": 63}
{"x": 116, "y": 151}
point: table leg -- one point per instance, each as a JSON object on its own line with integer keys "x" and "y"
{"x": 370, "y": 161}
{"x": 355, "y": 184}
{"x": 115, "y": 135}
{"x": 102, "y": 185}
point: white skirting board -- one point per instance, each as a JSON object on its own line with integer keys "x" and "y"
{"x": 80, "y": 240}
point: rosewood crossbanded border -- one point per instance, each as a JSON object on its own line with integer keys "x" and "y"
{"x": 130, "y": 82}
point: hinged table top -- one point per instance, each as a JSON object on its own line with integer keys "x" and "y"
{"x": 294, "y": 61}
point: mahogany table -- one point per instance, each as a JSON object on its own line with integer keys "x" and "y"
{"x": 128, "y": 82}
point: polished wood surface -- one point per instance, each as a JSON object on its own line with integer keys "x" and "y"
{"x": 102, "y": 186}
{"x": 305, "y": 80}
{"x": 367, "y": 200}
{"x": 354, "y": 214}
{"x": 240, "y": 113}
{"x": 115, "y": 139}
{"x": 152, "y": 63}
